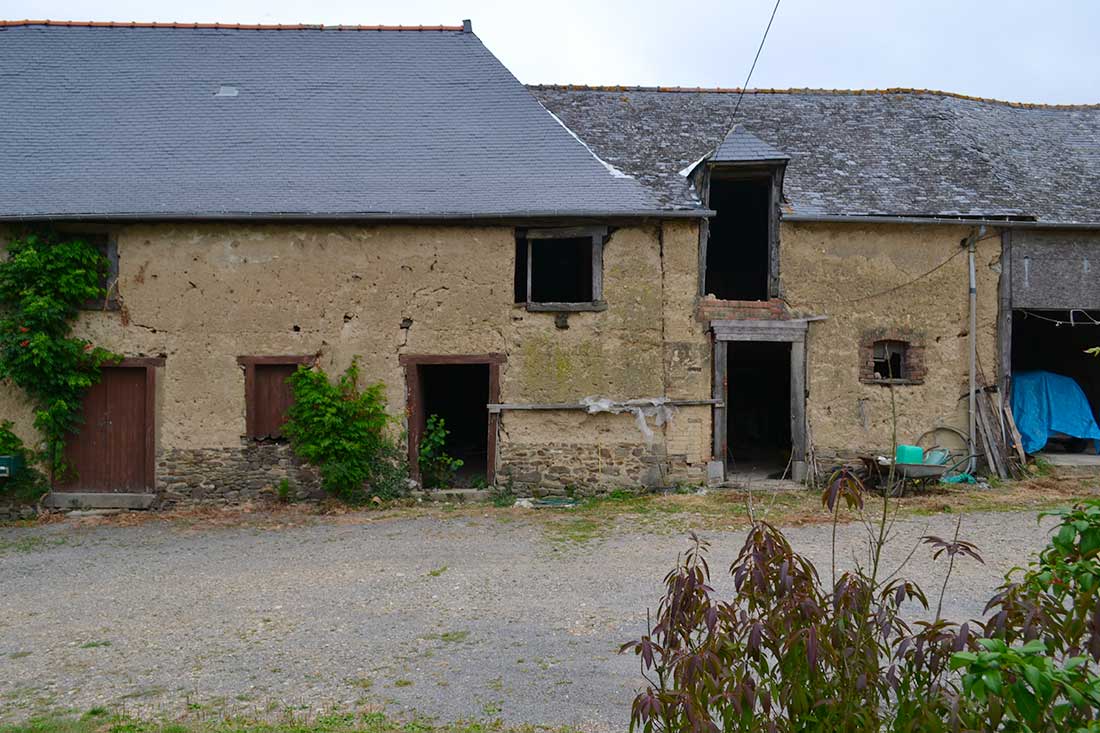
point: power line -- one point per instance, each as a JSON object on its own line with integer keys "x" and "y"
{"x": 753, "y": 67}
{"x": 905, "y": 284}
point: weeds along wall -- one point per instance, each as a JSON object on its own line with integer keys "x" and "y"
{"x": 837, "y": 270}
{"x": 203, "y": 295}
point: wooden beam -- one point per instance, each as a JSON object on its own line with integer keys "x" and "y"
{"x": 509, "y": 406}
{"x": 492, "y": 358}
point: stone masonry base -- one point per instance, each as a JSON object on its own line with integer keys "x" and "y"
{"x": 232, "y": 475}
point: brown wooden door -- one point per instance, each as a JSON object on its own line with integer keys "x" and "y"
{"x": 110, "y": 451}
{"x": 272, "y": 398}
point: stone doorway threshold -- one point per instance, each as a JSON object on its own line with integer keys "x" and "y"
{"x": 97, "y": 500}
{"x": 1072, "y": 464}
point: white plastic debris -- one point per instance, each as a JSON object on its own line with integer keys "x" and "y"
{"x": 656, "y": 407}
{"x": 524, "y": 504}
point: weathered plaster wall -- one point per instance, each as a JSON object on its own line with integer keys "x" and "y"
{"x": 203, "y": 294}
{"x": 865, "y": 278}
{"x": 646, "y": 344}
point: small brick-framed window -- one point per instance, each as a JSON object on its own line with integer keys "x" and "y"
{"x": 891, "y": 356}
{"x": 267, "y": 396}
{"x": 560, "y": 269}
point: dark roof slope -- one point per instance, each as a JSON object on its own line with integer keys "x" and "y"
{"x": 173, "y": 121}
{"x": 741, "y": 146}
{"x": 893, "y": 153}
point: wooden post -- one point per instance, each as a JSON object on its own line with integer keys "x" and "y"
{"x": 720, "y": 391}
{"x": 798, "y": 409}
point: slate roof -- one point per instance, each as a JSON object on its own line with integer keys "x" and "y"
{"x": 890, "y": 153}
{"x": 741, "y": 146}
{"x": 180, "y": 121}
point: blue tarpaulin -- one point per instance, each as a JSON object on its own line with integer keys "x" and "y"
{"x": 1044, "y": 403}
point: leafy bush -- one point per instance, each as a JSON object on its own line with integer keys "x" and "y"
{"x": 29, "y": 485}
{"x": 342, "y": 430}
{"x": 788, "y": 653}
{"x": 437, "y": 468}
{"x": 43, "y": 283}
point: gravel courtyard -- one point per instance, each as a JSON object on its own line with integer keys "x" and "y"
{"x": 456, "y": 617}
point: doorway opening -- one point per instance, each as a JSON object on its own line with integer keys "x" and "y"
{"x": 1043, "y": 341}
{"x": 758, "y": 414}
{"x": 739, "y": 242}
{"x": 458, "y": 394}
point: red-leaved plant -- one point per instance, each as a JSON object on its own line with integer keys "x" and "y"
{"x": 788, "y": 653}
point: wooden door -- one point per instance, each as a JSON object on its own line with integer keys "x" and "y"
{"x": 272, "y": 399}
{"x": 110, "y": 453}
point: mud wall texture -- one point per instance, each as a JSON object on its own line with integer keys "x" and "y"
{"x": 201, "y": 295}
{"x": 887, "y": 279}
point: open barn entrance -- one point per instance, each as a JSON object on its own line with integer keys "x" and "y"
{"x": 458, "y": 395}
{"x": 459, "y": 390}
{"x": 758, "y": 418}
{"x": 1054, "y": 342}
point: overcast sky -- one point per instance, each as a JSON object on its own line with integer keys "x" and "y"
{"x": 1023, "y": 50}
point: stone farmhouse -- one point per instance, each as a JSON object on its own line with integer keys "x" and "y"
{"x": 595, "y": 287}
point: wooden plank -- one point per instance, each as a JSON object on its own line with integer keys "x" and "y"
{"x": 1014, "y": 432}
{"x": 992, "y": 434}
{"x": 985, "y": 439}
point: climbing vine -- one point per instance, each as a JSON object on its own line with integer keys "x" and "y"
{"x": 43, "y": 282}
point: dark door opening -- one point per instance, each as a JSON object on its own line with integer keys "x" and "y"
{"x": 459, "y": 394}
{"x": 110, "y": 452}
{"x": 758, "y": 414}
{"x": 739, "y": 242}
{"x": 1044, "y": 340}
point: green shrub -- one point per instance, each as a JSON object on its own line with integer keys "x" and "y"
{"x": 437, "y": 468}
{"x": 44, "y": 281}
{"x": 343, "y": 431}
{"x": 29, "y": 485}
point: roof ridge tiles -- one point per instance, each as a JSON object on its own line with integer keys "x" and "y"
{"x": 804, "y": 90}
{"x": 226, "y": 26}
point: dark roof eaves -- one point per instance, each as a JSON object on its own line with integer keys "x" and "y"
{"x": 699, "y": 213}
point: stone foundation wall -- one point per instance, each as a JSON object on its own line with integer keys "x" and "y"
{"x": 550, "y": 468}
{"x": 10, "y": 512}
{"x": 251, "y": 472}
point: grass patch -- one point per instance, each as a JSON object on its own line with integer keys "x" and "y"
{"x": 437, "y": 572}
{"x": 18, "y": 655}
{"x": 451, "y": 637}
{"x": 402, "y": 683}
{"x": 99, "y": 720}
{"x": 32, "y": 543}
{"x": 95, "y": 644}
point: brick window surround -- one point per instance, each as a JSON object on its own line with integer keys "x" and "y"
{"x": 913, "y": 366}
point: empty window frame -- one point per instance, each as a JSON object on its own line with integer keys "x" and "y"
{"x": 108, "y": 247}
{"x": 267, "y": 393}
{"x": 888, "y": 359}
{"x": 560, "y": 269}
